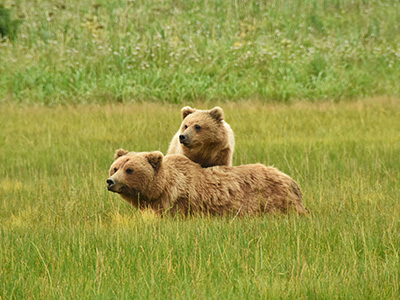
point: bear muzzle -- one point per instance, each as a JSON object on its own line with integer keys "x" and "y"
{"x": 116, "y": 186}
{"x": 113, "y": 186}
{"x": 184, "y": 139}
{"x": 110, "y": 184}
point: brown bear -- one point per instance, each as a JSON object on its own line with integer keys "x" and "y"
{"x": 204, "y": 137}
{"x": 174, "y": 184}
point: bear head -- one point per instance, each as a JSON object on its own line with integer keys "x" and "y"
{"x": 131, "y": 174}
{"x": 200, "y": 127}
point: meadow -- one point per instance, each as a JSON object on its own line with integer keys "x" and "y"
{"x": 311, "y": 87}
{"x": 63, "y": 236}
{"x": 175, "y": 51}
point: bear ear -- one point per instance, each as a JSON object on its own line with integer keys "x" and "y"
{"x": 119, "y": 153}
{"x": 155, "y": 159}
{"x": 217, "y": 113}
{"x": 187, "y": 110}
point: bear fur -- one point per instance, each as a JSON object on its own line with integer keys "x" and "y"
{"x": 174, "y": 184}
{"x": 204, "y": 137}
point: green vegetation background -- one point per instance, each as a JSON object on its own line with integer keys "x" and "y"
{"x": 176, "y": 51}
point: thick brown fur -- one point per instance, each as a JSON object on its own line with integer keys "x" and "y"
{"x": 174, "y": 184}
{"x": 209, "y": 140}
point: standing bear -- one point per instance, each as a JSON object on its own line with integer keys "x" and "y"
{"x": 204, "y": 137}
{"x": 175, "y": 184}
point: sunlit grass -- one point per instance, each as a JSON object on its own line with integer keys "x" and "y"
{"x": 63, "y": 236}
{"x": 177, "y": 51}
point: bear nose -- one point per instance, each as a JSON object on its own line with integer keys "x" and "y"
{"x": 110, "y": 183}
{"x": 182, "y": 138}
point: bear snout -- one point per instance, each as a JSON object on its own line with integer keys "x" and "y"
{"x": 182, "y": 138}
{"x": 110, "y": 183}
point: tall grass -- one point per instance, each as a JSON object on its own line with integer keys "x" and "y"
{"x": 177, "y": 51}
{"x": 63, "y": 236}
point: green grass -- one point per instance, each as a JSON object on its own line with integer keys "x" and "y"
{"x": 178, "y": 51}
{"x": 63, "y": 236}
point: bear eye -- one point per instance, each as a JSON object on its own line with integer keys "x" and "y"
{"x": 129, "y": 171}
{"x": 115, "y": 170}
{"x": 198, "y": 127}
{"x": 185, "y": 126}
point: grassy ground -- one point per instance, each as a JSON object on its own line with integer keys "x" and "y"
{"x": 63, "y": 236}
{"x": 176, "y": 51}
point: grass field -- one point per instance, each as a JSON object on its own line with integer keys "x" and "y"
{"x": 176, "y": 51}
{"x": 311, "y": 87}
{"x": 63, "y": 236}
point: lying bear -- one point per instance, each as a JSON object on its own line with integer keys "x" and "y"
{"x": 174, "y": 184}
{"x": 204, "y": 137}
